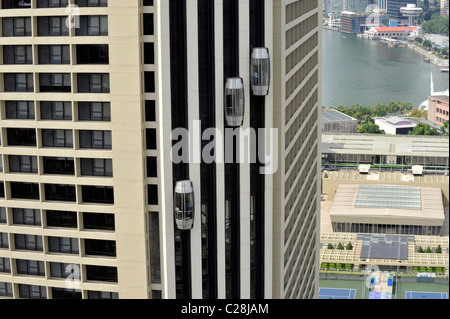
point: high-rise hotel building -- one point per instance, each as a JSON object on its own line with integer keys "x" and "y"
{"x": 95, "y": 97}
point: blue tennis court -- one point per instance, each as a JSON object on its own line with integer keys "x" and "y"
{"x": 425, "y": 295}
{"x": 336, "y": 293}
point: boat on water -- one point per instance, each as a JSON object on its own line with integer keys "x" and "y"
{"x": 426, "y": 60}
{"x": 444, "y": 70}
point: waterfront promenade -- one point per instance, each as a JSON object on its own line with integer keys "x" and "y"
{"x": 433, "y": 58}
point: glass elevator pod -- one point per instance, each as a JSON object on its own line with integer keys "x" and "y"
{"x": 184, "y": 205}
{"x": 234, "y": 102}
{"x": 260, "y": 71}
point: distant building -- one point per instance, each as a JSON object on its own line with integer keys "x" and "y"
{"x": 352, "y": 22}
{"x": 443, "y": 6}
{"x": 391, "y": 32}
{"x": 393, "y": 10}
{"x": 355, "y": 23}
{"x": 395, "y": 125}
{"x": 337, "y": 122}
{"x": 334, "y": 7}
{"x": 356, "y": 5}
{"x": 387, "y": 209}
{"x": 438, "y": 108}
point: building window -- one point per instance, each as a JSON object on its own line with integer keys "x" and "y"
{"x": 32, "y": 292}
{"x": 60, "y": 192}
{"x": 17, "y": 27}
{"x": 23, "y": 164}
{"x": 57, "y": 138}
{"x": 59, "y": 165}
{"x": 52, "y": 26}
{"x": 95, "y": 139}
{"x": 98, "y": 194}
{"x": 151, "y": 139}
{"x": 20, "y": 110}
{"x": 24, "y": 190}
{"x": 96, "y": 167}
{"x": 4, "y": 240}
{"x": 14, "y": 4}
{"x": 63, "y": 245}
{"x": 5, "y": 266}
{"x": 152, "y": 191}
{"x": 97, "y": 247}
{"x": 28, "y": 242}
{"x": 101, "y": 273}
{"x": 94, "y": 111}
{"x": 152, "y": 169}
{"x": 54, "y": 82}
{"x": 17, "y": 54}
{"x": 149, "y": 53}
{"x": 30, "y": 267}
{"x": 62, "y": 270}
{"x": 93, "y": 82}
{"x": 98, "y": 221}
{"x": 102, "y": 295}
{"x": 95, "y": 25}
{"x": 56, "y": 218}
{"x": 18, "y": 82}
{"x": 149, "y": 80}
{"x": 91, "y": 3}
{"x": 26, "y": 216}
{"x": 148, "y": 24}
{"x": 64, "y": 293}
{"x": 155, "y": 259}
{"x": 21, "y": 137}
{"x": 52, "y": 3}
{"x": 56, "y": 110}
{"x": 150, "y": 111}
{"x": 2, "y": 215}
{"x": 92, "y": 54}
{"x": 54, "y": 54}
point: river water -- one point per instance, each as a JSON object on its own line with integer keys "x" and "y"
{"x": 357, "y": 70}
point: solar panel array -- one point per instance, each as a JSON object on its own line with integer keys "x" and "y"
{"x": 383, "y": 246}
{"x": 382, "y": 196}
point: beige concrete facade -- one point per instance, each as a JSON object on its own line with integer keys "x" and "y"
{"x": 128, "y": 157}
{"x": 293, "y": 106}
{"x": 297, "y": 115}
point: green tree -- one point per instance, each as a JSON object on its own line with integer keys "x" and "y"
{"x": 423, "y": 129}
{"x": 340, "y": 247}
{"x": 444, "y": 128}
{"x": 330, "y": 246}
{"x": 438, "y": 249}
{"x": 437, "y": 24}
{"x": 370, "y": 128}
{"x": 419, "y": 113}
{"x": 420, "y": 250}
{"x": 428, "y": 250}
{"x": 349, "y": 246}
{"x": 419, "y": 40}
{"x": 427, "y": 44}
